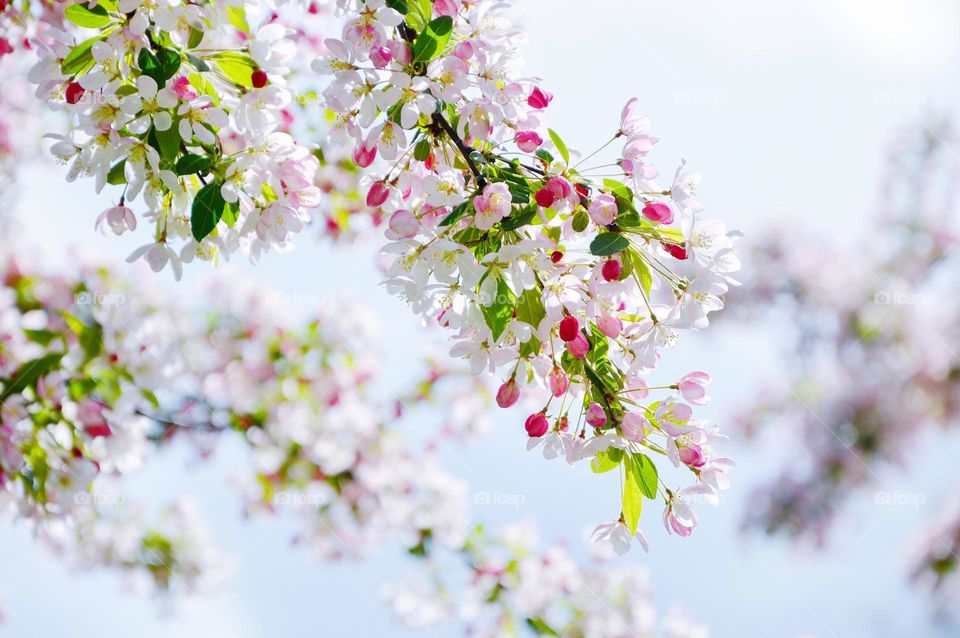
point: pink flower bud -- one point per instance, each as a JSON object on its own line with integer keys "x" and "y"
{"x": 611, "y": 270}
{"x": 377, "y": 194}
{"x": 676, "y": 251}
{"x": 610, "y": 326}
{"x": 556, "y": 256}
{"x": 658, "y": 212}
{"x": 692, "y": 455}
{"x": 603, "y": 209}
{"x": 528, "y": 141}
{"x": 404, "y": 224}
{"x": 569, "y": 328}
{"x": 259, "y": 79}
{"x": 579, "y": 347}
{"x": 560, "y": 187}
{"x": 363, "y": 155}
{"x": 74, "y": 93}
{"x": 508, "y": 394}
{"x": 539, "y": 99}
{"x": 536, "y": 425}
{"x": 558, "y": 382}
{"x": 544, "y": 197}
{"x": 633, "y": 427}
{"x": 693, "y": 387}
{"x": 596, "y": 417}
{"x": 445, "y": 8}
{"x": 381, "y": 57}
{"x": 400, "y": 51}
{"x": 464, "y": 50}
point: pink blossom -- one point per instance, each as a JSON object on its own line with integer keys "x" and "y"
{"x": 559, "y": 382}
{"x": 693, "y": 387}
{"x": 378, "y": 194}
{"x": 603, "y": 209}
{"x": 364, "y": 154}
{"x": 403, "y": 224}
{"x": 569, "y": 328}
{"x": 658, "y": 212}
{"x": 610, "y": 325}
{"x": 633, "y": 427}
{"x": 596, "y": 417}
{"x": 579, "y": 347}
{"x": 611, "y": 270}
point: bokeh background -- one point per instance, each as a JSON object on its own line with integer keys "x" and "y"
{"x": 787, "y": 109}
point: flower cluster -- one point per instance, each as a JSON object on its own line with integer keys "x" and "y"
{"x": 180, "y": 104}
{"x": 515, "y": 585}
{"x": 567, "y": 285}
{"x": 891, "y": 312}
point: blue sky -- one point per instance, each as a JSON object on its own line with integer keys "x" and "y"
{"x": 787, "y": 110}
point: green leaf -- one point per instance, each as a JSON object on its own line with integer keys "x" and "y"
{"x": 194, "y": 39}
{"x": 561, "y": 147}
{"x": 238, "y": 18}
{"x": 169, "y": 142}
{"x": 191, "y": 163}
{"x": 604, "y": 461}
{"x": 544, "y": 154}
{"x": 43, "y": 337}
{"x": 207, "y": 210}
{"x": 398, "y": 5}
{"x": 645, "y": 475}
{"x": 455, "y": 214}
{"x": 580, "y": 221}
{"x": 29, "y": 372}
{"x": 530, "y": 308}
{"x": 541, "y": 628}
{"x": 643, "y": 274}
{"x": 606, "y": 244}
{"x": 116, "y": 176}
{"x": 432, "y": 40}
{"x": 80, "y": 59}
{"x": 499, "y": 313}
{"x": 199, "y": 64}
{"x": 82, "y": 16}
{"x": 161, "y": 66}
{"x": 237, "y": 67}
{"x": 421, "y": 151}
{"x": 632, "y": 499}
{"x": 519, "y": 219}
{"x": 231, "y": 213}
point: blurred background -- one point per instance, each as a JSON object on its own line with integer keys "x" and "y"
{"x": 789, "y": 112}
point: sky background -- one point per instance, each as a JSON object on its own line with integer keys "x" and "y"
{"x": 787, "y": 110}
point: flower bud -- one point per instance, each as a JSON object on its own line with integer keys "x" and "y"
{"x": 610, "y": 326}
{"x": 528, "y": 141}
{"x": 658, "y": 212}
{"x": 363, "y": 155}
{"x": 633, "y": 427}
{"x": 692, "y": 455}
{"x": 259, "y": 79}
{"x": 556, "y": 256}
{"x": 377, "y": 194}
{"x": 676, "y": 251}
{"x": 569, "y": 328}
{"x": 539, "y": 99}
{"x": 603, "y": 209}
{"x": 404, "y": 224}
{"x": 381, "y": 57}
{"x": 558, "y": 382}
{"x": 508, "y": 394}
{"x": 536, "y": 425}
{"x": 579, "y": 347}
{"x": 611, "y": 270}
{"x": 74, "y": 92}
{"x": 544, "y": 197}
{"x": 596, "y": 417}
